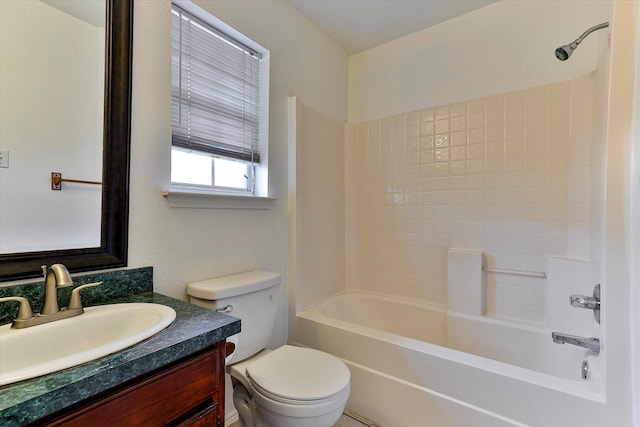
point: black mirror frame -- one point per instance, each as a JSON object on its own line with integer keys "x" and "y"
{"x": 117, "y": 133}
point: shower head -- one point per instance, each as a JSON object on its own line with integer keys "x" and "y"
{"x": 564, "y": 52}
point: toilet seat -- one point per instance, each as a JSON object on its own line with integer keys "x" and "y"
{"x": 298, "y": 376}
{"x": 299, "y": 403}
{"x": 276, "y": 402}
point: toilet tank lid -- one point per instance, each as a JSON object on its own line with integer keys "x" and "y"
{"x": 233, "y": 285}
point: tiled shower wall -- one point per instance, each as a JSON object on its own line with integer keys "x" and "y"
{"x": 508, "y": 174}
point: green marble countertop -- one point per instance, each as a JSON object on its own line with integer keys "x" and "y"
{"x": 195, "y": 328}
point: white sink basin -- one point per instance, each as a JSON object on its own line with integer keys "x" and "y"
{"x": 102, "y": 330}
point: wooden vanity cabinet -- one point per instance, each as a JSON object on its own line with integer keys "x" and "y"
{"x": 189, "y": 392}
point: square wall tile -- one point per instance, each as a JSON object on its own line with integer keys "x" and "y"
{"x": 509, "y": 175}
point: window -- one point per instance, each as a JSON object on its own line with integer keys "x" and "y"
{"x": 219, "y": 82}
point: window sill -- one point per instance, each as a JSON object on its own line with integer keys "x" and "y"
{"x": 202, "y": 200}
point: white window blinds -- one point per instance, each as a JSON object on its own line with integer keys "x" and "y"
{"x": 215, "y": 90}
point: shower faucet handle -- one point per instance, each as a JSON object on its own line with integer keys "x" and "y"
{"x": 591, "y": 303}
{"x": 582, "y": 301}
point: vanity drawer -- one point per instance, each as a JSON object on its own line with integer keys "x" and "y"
{"x": 186, "y": 393}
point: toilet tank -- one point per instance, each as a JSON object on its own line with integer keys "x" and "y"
{"x": 252, "y": 297}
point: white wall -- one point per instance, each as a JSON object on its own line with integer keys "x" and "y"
{"x": 506, "y": 46}
{"x": 635, "y": 223}
{"x": 184, "y": 245}
{"x": 51, "y": 115}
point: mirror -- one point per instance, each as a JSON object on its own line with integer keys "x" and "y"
{"x": 110, "y": 248}
{"x": 52, "y": 71}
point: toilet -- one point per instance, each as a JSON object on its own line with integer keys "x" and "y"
{"x": 286, "y": 387}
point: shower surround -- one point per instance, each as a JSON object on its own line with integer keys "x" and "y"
{"x": 526, "y": 145}
{"x": 509, "y": 175}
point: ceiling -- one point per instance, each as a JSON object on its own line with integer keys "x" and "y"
{"x": 89, "y": 11}
{"x": 358, "y": 25}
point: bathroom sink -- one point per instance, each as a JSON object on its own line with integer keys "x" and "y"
{"x": 101, "y": 330}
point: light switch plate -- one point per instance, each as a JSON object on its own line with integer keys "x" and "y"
{"x": 4, "y": 158}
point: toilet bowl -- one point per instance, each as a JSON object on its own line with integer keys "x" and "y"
{"x": 286, "y": 387}
{"x": 290, "y": 386}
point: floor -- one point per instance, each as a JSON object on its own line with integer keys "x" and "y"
{"x": 344, "y": 421}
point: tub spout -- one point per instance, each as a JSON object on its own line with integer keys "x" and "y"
{"x": 592, "y": 344}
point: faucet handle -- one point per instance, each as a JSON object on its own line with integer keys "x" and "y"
{"x": 74, "y": 299}
{"x": 583, "y": 301}
{"x": 591, "y": 303}
{"x": 24, "y": 310}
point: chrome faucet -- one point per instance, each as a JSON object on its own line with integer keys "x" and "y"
{"x": 56, "y": 276}
{"x": 592, "y": 344}
{"x": 591, "y": 303}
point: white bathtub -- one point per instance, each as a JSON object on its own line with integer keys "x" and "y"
{"x": 417, "y": 365}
